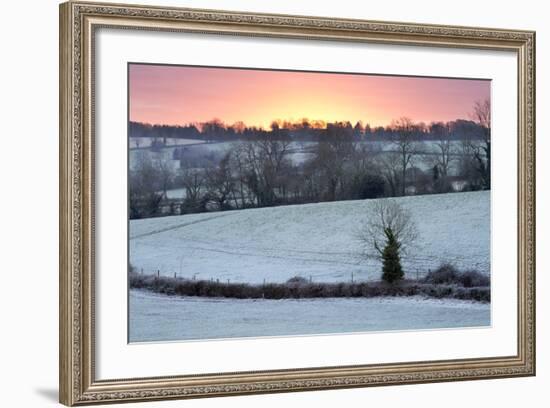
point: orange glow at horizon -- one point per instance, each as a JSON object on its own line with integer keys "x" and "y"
{"x": 179, "y": 95}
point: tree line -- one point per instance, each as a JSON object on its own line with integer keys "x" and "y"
{"x": 261, "y": 171}
{"x": 301, "y": 130}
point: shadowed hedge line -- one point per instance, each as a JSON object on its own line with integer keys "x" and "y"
{"x": 448, "y": 274}
{"x": 299, "y": 288}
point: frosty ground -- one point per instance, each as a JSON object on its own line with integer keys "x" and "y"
{"x": 157, "y": 317}
{"x": 315, "y": 241}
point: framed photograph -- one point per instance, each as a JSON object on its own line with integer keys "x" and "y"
{"x": 256, "y": 203}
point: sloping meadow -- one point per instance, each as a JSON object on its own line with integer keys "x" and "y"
{"x": 317, "y": 242}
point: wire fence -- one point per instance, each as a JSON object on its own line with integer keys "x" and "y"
{"x": 410, "y": 272}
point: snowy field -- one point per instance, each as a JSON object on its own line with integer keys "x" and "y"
{"x": 194, "y": 149}
{"x": 299, "y": 151}
{"x": 156, "y": 317}
{"x": 316, "y": 241}
{"x": 144, "y": 142}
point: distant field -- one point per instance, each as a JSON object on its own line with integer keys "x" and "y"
{"x": 145, "y": 142}
{"x": 299, "y": 152}
{"x": 315, "y": 241}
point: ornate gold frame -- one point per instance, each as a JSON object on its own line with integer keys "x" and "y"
{"x": 78, "y": 21}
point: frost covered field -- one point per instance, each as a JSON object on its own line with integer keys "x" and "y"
{"x": 156, "y": 317}
{"x": 315, "y": 241}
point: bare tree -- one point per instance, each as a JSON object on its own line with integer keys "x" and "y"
{"x": 266, "y": 161}
{"x": 238, "y": 166}
{"x": 482, "y": 115}
{"x": 363, "y": 158}
{"x": 468, "y": 166}
{"x": 330, "y": 165}
{"x": 193, "y": 181}
{"x": 390, "y": 168}
{"x": 387, "y": 234}
{"x": 239, "y": 127}
{"x": 213, "y": 129}
{"x": 358, "y": 130}
{"x": 220, "y": 183}
{"x": 165, "y": 174}
{"x": 441, "y": 156}
{"x": 332, "y": 155}
{"x": 145, "y": 184}
{"x": 403, "y": 140}
{"x": 482, "y": 153}
{"x": 387, "y": 217}
{"x": 444, "y": 152}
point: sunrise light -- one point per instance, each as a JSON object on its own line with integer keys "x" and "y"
{"x": 178, "y": 95}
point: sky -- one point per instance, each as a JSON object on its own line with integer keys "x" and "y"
{"x": 179, "y": 95}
